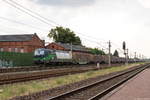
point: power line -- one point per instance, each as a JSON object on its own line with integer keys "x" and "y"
{"x": 37, "y": 14}
{"x": 103, "y": 42}
{"x": 44, "y": 20}
{"x": 109, "y": 54}
{"x": 18, "y": 22}
{"x": 95, "y": 42}
{"x": 43, "y": 17}
{"x": 10, "y": 28}
{"x": 14, "y": 21}
{"x": 79, "y": 33}
{"x": 34, "y": 12}
{"x": 28, "y": 13}
{"x": 5, "y": 31}
{"x": 131, "y": 52}
{"x": 92, "y": 37}
{"x": 118, "y": 47}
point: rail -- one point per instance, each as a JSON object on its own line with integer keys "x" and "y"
{"x": 76, "y": 93}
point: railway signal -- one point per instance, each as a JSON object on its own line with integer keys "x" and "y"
{"x": 127, "y": 56}
{"x": 125, "y": 52}
{"x": 124, "y": 45}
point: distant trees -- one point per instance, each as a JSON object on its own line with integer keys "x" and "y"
{"x": 116, "y": 53}
{"x": 64, "y": 35}
{"x": 97, "y": 51}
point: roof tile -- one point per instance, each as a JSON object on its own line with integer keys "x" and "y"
{"x": 15, "y": 38}
{"x": 74, "y": 47}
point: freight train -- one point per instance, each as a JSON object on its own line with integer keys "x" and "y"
{"x": 50, "y": 56}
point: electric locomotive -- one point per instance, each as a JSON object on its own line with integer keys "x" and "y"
{"x": 49, "y": 56}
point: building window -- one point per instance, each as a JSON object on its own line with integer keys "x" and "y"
{"x": 22, "y": 50}
{"x": 1, "y": 49}
{"x": 16, "y": 49}
{"x": 13, "y": 49}
{"x": 9, "y": 49}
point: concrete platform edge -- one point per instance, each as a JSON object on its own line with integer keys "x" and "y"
{"x": 120, "y": 87}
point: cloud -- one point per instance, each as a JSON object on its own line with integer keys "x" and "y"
{"x": 69, "y": 3}
{"x": 145, "y": 3}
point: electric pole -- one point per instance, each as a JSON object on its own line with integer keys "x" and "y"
{"x": 135, "y": 57}
{"x": 125, "y": 53}
{"x": 71, "y": 50}
{"x": 127, "y": 57}
{"x": 109, "y": 55}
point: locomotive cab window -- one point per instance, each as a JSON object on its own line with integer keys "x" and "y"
{"x": 39, "y": 52}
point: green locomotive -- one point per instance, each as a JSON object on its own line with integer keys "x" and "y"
{"x": 48, "y": 56}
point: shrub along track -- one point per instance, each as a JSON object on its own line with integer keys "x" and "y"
{"x": 90, "y": 89}
{"x": 9, "y": 78}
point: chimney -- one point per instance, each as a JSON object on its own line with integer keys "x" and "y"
{"x": 43, "y": 43}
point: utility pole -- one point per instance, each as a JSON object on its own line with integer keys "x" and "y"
{"x": 135, "y": 57}
{"x": 125, "y": 53}
{"x": 109, "y": 55}
{"x": 127, "y": 57}
{"x": 71, "y": 50}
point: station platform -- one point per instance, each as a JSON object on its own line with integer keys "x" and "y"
{"x": 137, "y": 88}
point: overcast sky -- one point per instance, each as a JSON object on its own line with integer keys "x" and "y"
{"x": 94, "y": 21}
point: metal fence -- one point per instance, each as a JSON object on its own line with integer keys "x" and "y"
{"x": 12, "y": 59}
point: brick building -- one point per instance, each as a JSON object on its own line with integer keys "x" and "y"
{"x": 20, "y": 43}
{"x": 67, "y": 47}
{"x": 80, "y": 54}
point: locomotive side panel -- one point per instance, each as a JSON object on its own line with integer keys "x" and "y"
{"x": 63, "y": 55}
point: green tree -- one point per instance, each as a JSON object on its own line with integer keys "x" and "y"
{"x": 64, "y": 35}
{"x": 116, "y": 53}
{"x": 97, "y": 51}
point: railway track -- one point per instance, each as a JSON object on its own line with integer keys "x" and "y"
{"x": 36, "y": 68}
{"x": 23, "y": 77}
{"x": 98, "y": 89}
{"x": 9, "y": 78}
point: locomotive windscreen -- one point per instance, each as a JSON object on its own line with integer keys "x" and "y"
{"x": 38, "y": 52}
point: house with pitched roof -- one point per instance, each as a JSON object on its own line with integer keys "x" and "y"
{"x": 23, "y": 43}
{"x": 67, "y": 47}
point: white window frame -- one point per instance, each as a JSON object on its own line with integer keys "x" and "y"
{"x": 22, "y": 50}
{"x": 1, "y": 49}
{"x": 10, "y": 49}
{"x": 16, "y": 49}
